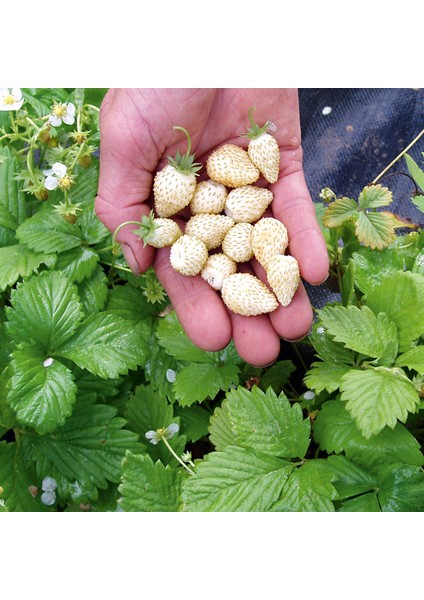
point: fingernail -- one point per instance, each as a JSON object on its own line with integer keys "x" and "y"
{"x": 130, "y": 258}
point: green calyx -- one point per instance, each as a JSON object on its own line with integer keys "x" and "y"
{"x": 147, "y": 227}
{"x": 184, "y": 163}
{"x": 254, "y": 130}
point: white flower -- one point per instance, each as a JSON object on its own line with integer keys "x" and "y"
{"x": 10, "y": 100}
{"x": 62, "y": 113}
{"x": 49, "y": 484}
{"x": 48, "y": 498}
{"x": 56, "y": 176}
{"x": 165, "y": 432}
{"x": 48, "y": 362}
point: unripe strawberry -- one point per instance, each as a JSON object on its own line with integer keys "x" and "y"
{"x": 211, "y": 229}
{"x": 188, "y": 255}
{"x": 174, "y": 185}
{"x": 246, "y": 295}
{"x": 230, "y": 165}
{"x": 166, "y": 232}
{"x": 263, "y": 150}
{"x": 269, "y": 237}
{"x": 209, "y": 197}
{"x": 217, "y": 268}
{"x": 237, "y": 243}
{"x": 283, "y": 276}
{"x": 248, "y": 203}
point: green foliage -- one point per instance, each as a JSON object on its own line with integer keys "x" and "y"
{"x": 105, "y": 404}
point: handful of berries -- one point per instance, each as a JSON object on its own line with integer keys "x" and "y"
{"x": 227, "y": 226}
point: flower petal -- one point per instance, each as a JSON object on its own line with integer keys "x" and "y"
{"x": 70, "y": 109}
{"x": 68, "y": 119}
{"x": 55, "y": 121}
{"x": 172, "y": 429}
{"x": 17, "y": 94}
{"x": 51, "y": 183}
{"x": 59, "y": 169}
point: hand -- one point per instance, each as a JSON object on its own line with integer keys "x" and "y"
{"x": 137, "y": 135}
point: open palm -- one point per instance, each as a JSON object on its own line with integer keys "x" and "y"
{"x": 137, "y": 135}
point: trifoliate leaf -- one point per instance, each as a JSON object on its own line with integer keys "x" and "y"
{"x": 277, "y": 376}
{"x": 85, "y": 186}
{"x": 18, "y": 481}
{"x": 329, "y": 350}
{"x": 375, "y": 230}
{"x": 350, "y": 479}
{"x": 238, "y": 479}
{"x": 17, "y": 261}
{"x": 309, "y": 488}
{"x": 399, "y": 295}
{"x": 325, "y": 376}
{"x": 336, "y": 431}
{"x": 221, "y": 430}
{"x": 48, "y": 232}
{"x": 374, "y": 196}
{"x": 196, "y": 382}
{"x": 88, "y": 449}
{"x": 364, "y": 503}
{"x": 7, "y": 416}
{"x": 268, "y": 423}
{"x": 413, "y": 359}
{"x": 42, "y": 391}
{"x": 130, "y": 303}
{"x": 372, "y": 267}
{"x": 415, "y": 171}
{"x": 339, "y": 211}
{"x": 45, "y": 311}
{"x": 106, "y": 345}
{"x": 93, "y": 292}
{"x": 77, "y": 263}
{"x": 362, "y": 331}
{"x": 401, "y": 488}
{"x": 378, "y": 397}
{"x": 148, "y": 486}
{"x": 91, "y": 227}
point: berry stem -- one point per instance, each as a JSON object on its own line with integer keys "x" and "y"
{"x": 172, "y": 451}
{"x": 179, "y": 128}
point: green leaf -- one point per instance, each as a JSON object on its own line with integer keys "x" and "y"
{"x": 398, "y": 295}
{"x": 378, "y": 397}
{"x": 336, "y": 431}
{"x": 88, "y": 449}
{"x": 364, "y": 503}
{"x": 148, "y": 486}
{"x": 308, "y": 489}
{"x": 85, "y": 187}
{"x": 418, "y": 201}
{"x": 12, "y": 198}
{"x": 17, "y": 261}
{"x": 130, "y": 303}
{"x": 401, "y": 488}
{"x": 17, "y": 481}
{"x": 360, "y": 330}
{"x": 221, "y": 429}
{"x": 374, "y": 196}
{"x": 45, "y": 311}
{"x": 415, "y": 171}
{"x": 339, "y": 211}
{"x": 93, "y": 291}
{"x": 77, "y": 263}
{"x": 325, "y": 376}
{"x": 375, "y": 229}
{"x": 413, "y": 359}
{"x": 90, "y": 225}
{"x": 106, "y": 345}
{"x": 329, "y": 350}
{"x": 277, "y": 376}
{"x": 268, "y": 423}
{"x": 172, "y": 337}
{"x": 238, "y": 479}
{"x": 197, "y": 382}
{"x": 48, "y": 232}
{"x": 41, "y": 393}
{"x": 351, "y": 480}
{"x": 371, "y": 268}
{"x": 194, "y": 421}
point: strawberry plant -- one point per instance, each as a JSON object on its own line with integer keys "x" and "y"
{"x": 105, "y": 403}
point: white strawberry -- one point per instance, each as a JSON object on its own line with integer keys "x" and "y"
{"x": 247, "y": 203}
{"x": 158, "y": 232}
{"x": 283, "y": 276}
{"x": 209, "y": 197}
{"x": 217, "y": 268}
{"x": 263, "y": 149}
{"x": 188, "y": 255}
{"x": 237, "y": 243}
{"x": 174, "y": 185}
{"x": 245, "y": 294}
{"x": 230, "y": 165}
{"x": 269, "y": 237}
{"x": 211, "y": 229}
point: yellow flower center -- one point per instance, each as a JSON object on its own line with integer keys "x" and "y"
{"x": 9, "y": 99}
{"x": 59, "y": 110}
{"x": 65, "y": 182}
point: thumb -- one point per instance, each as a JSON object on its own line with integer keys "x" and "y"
{"x": 124, "y": 182}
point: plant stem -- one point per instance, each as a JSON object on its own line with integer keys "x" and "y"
{"x": 398, "y": 157}
{"x": 172, "y": 451}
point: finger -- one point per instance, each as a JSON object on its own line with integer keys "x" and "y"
{"x": 293, "y": 206}
{"x": 199, "y": 309}
{"x": 255, "y": 339}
